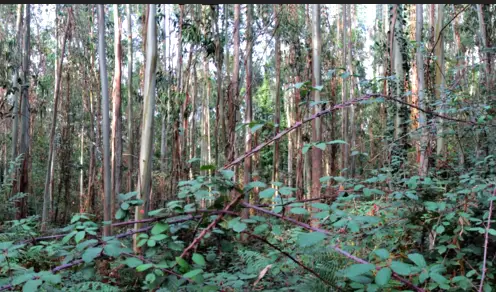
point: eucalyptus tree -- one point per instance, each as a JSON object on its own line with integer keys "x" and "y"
{"x": 116, "y": 158}
{"x": 108, "y": 202}
{"x": 145, "y": 158}
{"x": 248, "y": 102}
{"x": 15, "y": 77}
{"x": 424, "y": 158}
{"x": 439, "y": 78}
{"x": 316, "y": 123}
{"x": 130, "y": 145}
{"x": 21, "y": 205}
{"x": 277, "y": 99}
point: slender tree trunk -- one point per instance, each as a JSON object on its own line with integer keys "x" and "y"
{"x": 439, "y": 83}
{"x": 234, "y": 91}
{"x": 15, "y": 77}
{"x": 116, "y": 111}
{"x": 219, "y": 129}
{"x": 248, "y": 114}
{"x": 344, "y": 92}
{"x": 424, "y": 159}
{"x": 316, "y": 123}
{"x": 108, "y": 202}
{"x": 144, "y": 181}
{"x": 277, "y": 99}
{"x": 21, "y": 205}
{"x": 485, "y": 46}
{"x": 130, "y": 147}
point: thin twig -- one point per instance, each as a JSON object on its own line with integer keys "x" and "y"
{"x": 287, "y": 255}
{"x": 481, "y": 286}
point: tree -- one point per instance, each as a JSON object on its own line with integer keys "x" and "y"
{"x": 439, "y": 86}
{"x": 248, "y": 114}
{"x": 424, "y": 158}
{"x": 145, "y": 165}
{"x": 24, "y": 142}
{"x": 277, "y": 99}
{"x": 116, "y": 109}
{"x": 108, "y": 201}
{"x": 56, "y": 94}
{"x": 316, "y": 123}
{"x": 130, "y": 145}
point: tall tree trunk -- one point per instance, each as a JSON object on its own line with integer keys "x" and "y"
{"x": 439, "y": 83}
{"x": 316, "y": 123}
{"x": 351, "y": 109}
{"x": 344, "y": 93}
{"x": 49, "y": 173}
{"x": 144, "y": 181}
{"x": 424, "y": 159}
{"x": 233, "y": 92}
{"x": 485, "y": 46}
{"x": 248, "y": 114}
{"x": 15, "y": 78}
{"x": 21, "y": 205}
{"x": 277, "y": 99}
{"x": 130, "y": 147}
{"x": 108, "y": 202}
{"x": 219, "y": 124}
{"x": 116, "y": 111}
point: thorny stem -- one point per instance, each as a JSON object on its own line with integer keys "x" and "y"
{"x": 486, "y": 240}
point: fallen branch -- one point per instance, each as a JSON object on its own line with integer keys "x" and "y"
{"x": 486, "y": 240}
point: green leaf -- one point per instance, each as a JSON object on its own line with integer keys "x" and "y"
{"x": 79, "y": 236}
{"x": 337, "y": 142}
{"x": 299, "y": 211}
{"x": 22, "y": 278}
{"x": 142, "y": 242}
{"x": 438, "y": 278}
{"x": 423, "y": 276}
{"x": 193, "y": 273}
{"x": 151, "y": 242}
{"x": 321, "y": 206}
{"x": 159, "y": 237}
{"x": 401, "y": 268}
{"x": 321, "y": 146}
{"x": 383, "y": 276}
{"x": 207, "y": 167}
{"x": 440, "y": 229}
{"x": 382, "y": 253}
{"x": 267, "y": 193}
{"x": 308, "y": 239}
{"x": 255, "y": 184}
{"x": 51, "y": 278}
{"x": 418, "y": 259}
{"x": 228, "y": 174}
{"x": 256, "y": 127}
{"x": 239, "y": 227}
{"x": 319, "y": 88}
{"x": 75, "y": 218}
{"x": 120, "y": 214}
{"x": 198, "y": 259}
{"x": 181, "y": 262}
{"x": 91, "y": 253}
{"x": 143, "y": 267}
{"x": 150, "y": 278}
{"x": 305, "y": 148}
{"x": 68, "y": 237}
{"x": 358, "y": 269}
{"x": 133, "y": 262}
{"x": 125, "y": 206}
{"x": 159, "y": 227}
{"x": 32, "y": 285}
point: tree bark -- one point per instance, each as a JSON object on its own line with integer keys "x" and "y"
{"x": 116, "y": 111}
{"x": 108, "y": 198}
{"x": 21, "y": 205}
{"x": 130, "y": 149}
{"x": 277, "y": 99}
{"x": 316, "y": 123}
{"x": 144, "y": 181}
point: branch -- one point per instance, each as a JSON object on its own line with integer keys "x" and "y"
{"x": 481, "y": 286}
{"x": 335, "y": 248}
{"x": 288, "y": 255}
{"x": 211, "y": 225}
